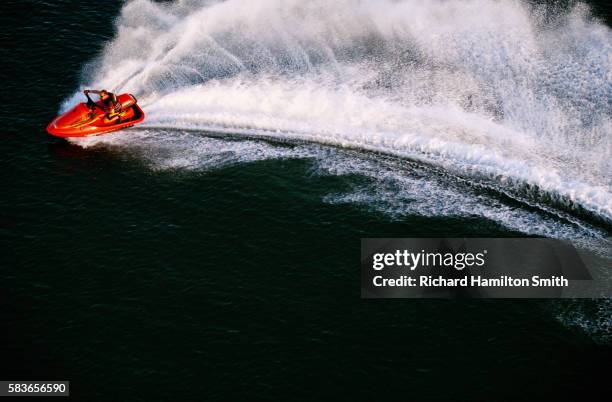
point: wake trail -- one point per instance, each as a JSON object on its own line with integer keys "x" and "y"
{"x": 511, "y": 95}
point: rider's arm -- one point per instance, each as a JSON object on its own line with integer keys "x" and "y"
{"x": 91, "y": 91}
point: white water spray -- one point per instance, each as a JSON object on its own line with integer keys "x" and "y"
{"x": 499, "y": 92}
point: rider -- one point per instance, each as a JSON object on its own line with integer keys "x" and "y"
{"x": 112, "y": 106}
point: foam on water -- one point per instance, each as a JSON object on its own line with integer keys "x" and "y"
{"x": 592, "y": 317}
{"x": 499, "y": 92}
{"x": 188, "y": 150}
{"x": 391, "y": 185}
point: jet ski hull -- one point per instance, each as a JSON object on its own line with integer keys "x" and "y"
{"x": 85, "y": 120}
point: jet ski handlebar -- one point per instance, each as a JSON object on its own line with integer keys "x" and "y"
{"x": 90, "y": 103}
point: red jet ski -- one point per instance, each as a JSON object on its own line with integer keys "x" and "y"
{"x": 87, "y": 119}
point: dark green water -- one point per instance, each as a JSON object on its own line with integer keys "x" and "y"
{"x": 233, "y": 284}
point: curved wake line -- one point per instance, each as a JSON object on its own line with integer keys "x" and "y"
{"x": 515, "y": 97}
{"x": 574, "y": 197}
{"x": 209, "y": 159}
